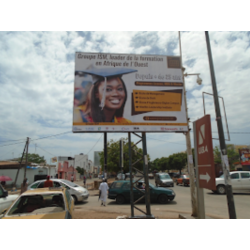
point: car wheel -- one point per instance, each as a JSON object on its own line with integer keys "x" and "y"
{"x": 172, "y": 185}
{"x": 163, "y": 199}
{"x": 177, "y": 183}
{"x": 221, "y": 189}
{"x": 120, "y": 199}
{"x": 184, "y": 183}
{"x": 75, "y": 199}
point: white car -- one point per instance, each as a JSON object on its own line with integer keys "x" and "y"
{"x": 240, "y": 182}
{"x": 77, "y": 192}
{"x": 5, "y": 199}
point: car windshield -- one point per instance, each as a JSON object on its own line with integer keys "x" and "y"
{"x": 71, "y": 184}
{"x": 165, "y": 176}
{"x": 38, "y": 203}
{"x": 222, "y": 176}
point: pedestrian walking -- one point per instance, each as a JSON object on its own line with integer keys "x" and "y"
{"x": 72, "y": 178}
{"x": 48, "y": 182}
{"x": 24, "y": 186}
{"x": 84, "y": 180}
{"x": 103, "y": 191}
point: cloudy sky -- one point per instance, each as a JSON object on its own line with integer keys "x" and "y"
{"x": 37, "y": 78}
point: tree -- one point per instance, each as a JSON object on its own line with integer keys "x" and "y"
{"x": 34, "y": 158}
{"x": 177, "y": 161}
{"x": 80, "y": 170}
{"x": 113, "y": 152}
{"x": 231, "y": 154}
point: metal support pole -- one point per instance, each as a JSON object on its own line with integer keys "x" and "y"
{"x": 20, "y": 164}
{"x": 230, "y": 199}
{"x": 130, "y": 171}
{"x": 189, "y": 148}
{"x": 105, "y": 154}
{"x": 200, "y": 192}
{"x": 26, "y": 164}
{"x": 145, "y": 171}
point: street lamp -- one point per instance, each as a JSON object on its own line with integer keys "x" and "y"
{"x": 188, "y": 141}
{"x": 189, "y": 151}
{"x": 199, "y": 80}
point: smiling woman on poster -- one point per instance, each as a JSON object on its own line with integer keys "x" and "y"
{"x": 107, "y": 96}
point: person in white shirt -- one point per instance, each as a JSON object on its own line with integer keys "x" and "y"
{"x": 103, "y": 191}
{"x": 72, "y": 178}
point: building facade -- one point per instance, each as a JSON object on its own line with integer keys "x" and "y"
{"x": 66, "y": 168}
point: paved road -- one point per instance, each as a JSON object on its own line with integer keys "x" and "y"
{"x": 215, "y": 205}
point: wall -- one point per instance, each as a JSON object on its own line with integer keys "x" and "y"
{"x": 30, "y": 173}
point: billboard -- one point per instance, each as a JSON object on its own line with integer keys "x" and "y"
{"x": 244, "y": 156}
{"x": 128, "y": 92}
{"x": 54, "y": 159}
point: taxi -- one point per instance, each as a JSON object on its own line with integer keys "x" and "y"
{"x": 44, "y": 203}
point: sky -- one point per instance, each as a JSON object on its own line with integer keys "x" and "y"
{"x": 37, "y": 80}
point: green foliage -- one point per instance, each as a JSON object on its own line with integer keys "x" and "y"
{"x": 34, "y": 158}
{"x": 231, "y": 154}
{"x": 173, "y": 162}
{"x": 80, "y": 170}
{"x": 177, "y": 161}
{"x": 113, "y": 152}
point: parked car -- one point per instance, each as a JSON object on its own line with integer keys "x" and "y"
{"x": 127, "y": 176}
{"x": 174, "y": 175}
{"x": 151, "y": 176}
{"x": 240, "y": 182}
{"x": 44, "y": 203}
{"x": 77, "y": 192}
{"x": 5, "y": 199}
{"x": 183, "y": 179}
{"x": 120, "y": 191}
{"x": 120, "y": 176}
{"x": 163, "y": 179}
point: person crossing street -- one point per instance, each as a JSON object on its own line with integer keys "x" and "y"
{"x": 103, "y": 191}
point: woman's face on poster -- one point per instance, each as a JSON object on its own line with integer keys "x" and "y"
{"x": 115, "y": 93}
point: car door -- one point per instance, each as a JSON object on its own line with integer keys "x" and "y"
{"x": 245, "y": 180}
{"x": 236, "y": 181}
{"x": 126, "y": 190}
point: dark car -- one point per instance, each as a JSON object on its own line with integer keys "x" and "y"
{"x": 174, "y": 175}
{"x": 127, "y": 176}
{"x": 164, "y": 180}
{"x": 120, "y": 191}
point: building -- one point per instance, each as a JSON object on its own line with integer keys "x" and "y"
{"x": 15, "y": 171}
{"x": 82, "y": 162}
{"x": 65, "y": 168}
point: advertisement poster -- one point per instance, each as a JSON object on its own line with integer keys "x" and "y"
{"x": 128, "y": 92}
{"x": 244, "y": 156}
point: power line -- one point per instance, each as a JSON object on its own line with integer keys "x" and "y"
{"x": 44, "y": 150}
{"x": 11, "y": 144}
{"x": 14, "y": 140}
{"x": 166, "y": 141}
{"x": 10, "y": 150}
{"x": 51, "y": 136}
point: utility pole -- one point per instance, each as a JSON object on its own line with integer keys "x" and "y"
{"x": 105, "y": 154}
{"x": 225, "y": 165}
{"x": 189, "y": 147}
{"x": 27, "y": 149}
